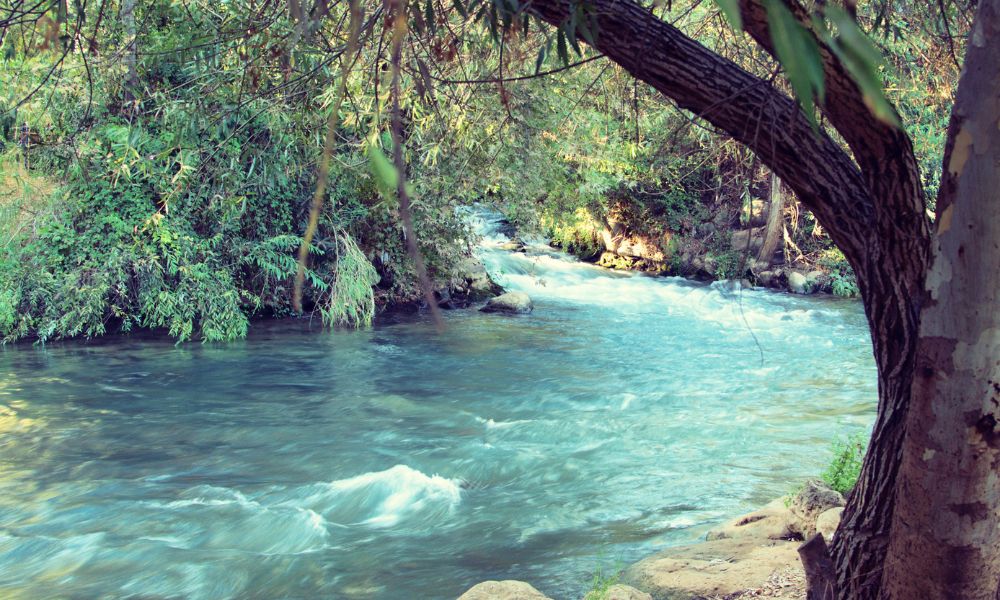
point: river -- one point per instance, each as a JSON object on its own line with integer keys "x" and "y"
{"x": 625, "y": 414}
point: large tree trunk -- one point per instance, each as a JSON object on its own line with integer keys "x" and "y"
{"x": 872, "y": 206}
{"x": 945, "y": 539}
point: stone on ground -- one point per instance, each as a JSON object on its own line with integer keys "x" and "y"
{"x": 503, "y": 590}
{"x": 619, "y": 592}
{"x": 714, "y": 569}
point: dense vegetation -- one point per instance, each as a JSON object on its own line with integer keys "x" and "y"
{"x": 158, "y": 159}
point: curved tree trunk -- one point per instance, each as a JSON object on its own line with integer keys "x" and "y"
{"x": 872, "y": 206}
{"x": 945, "y": 539}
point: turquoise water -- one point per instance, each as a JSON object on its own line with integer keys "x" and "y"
{"x": 625, "y": 414}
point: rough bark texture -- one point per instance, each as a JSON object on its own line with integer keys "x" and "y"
{"x": 872, "y": 206}
{"x": 945, "y": 542}
{"x": 819, "y": 569}
{"x": 131, "y": 49}
{"x": 772, "y": 236}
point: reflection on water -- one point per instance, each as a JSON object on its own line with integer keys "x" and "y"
{"x": 626, "y": 413}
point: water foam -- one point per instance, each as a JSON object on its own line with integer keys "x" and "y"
{"x": 381, "y": 498}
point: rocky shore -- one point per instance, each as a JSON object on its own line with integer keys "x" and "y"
{"x": 751, "y": 556}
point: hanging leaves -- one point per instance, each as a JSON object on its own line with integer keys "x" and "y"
{"x": 382, "y": 170}
{"x": 798, "y": 53}
{"x": 731, "y": 9}
{"x": 862, "y": 60}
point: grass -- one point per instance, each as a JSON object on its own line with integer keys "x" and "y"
{"x": 602, "y": 582}
{"x": 843, "y": 471}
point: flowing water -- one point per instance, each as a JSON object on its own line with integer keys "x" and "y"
{"x": 626, "y": 414}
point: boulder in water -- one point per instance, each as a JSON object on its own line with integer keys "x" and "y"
{"x": 798, "y": 283}
{"x": 513, "y": 246}
{"x": 509, "y": 303}
{"x": 503, "y": 590}
{"x": 471, "y": 284}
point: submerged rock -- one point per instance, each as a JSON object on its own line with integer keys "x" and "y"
{"x": 503, "y": 590}
{"x": 510, "y": 303}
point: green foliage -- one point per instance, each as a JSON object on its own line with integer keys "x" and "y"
{"x": 848, "y": 455}
{"x": 842, "y": 279}
{"x": 799, "y": 55}
{"x": 601, "y": 583}
{"x": 577, "y": 233}
{"x": 728, "y": 264}
{"x": 351, "y": 299}
{"x": 179, "y": 202}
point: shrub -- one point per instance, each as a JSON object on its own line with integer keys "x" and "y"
{"x": 842, "y": 279}
{"x": 843, "y": 471}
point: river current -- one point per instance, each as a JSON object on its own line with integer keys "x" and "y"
{"x": 625, "y": 414}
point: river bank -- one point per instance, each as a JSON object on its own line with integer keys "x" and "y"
{"x": 752, "y": 555}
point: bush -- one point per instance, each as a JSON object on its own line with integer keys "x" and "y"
{"x": 843, "y": 471}
{"x": 842, "y": 279}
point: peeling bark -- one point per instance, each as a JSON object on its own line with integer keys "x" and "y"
{"x": 945, "y": 539}
{"x": 772, "y": 236}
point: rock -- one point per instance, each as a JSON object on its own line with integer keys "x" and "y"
{"x": 798, "y": 283}
{"x": 502, "y": 590}
{"x": 513, "y": 246}
{"x": 746, "y": 240}
{"x": 481, "y": 286}
{"x": 505, "y": 227}
{"x": 619, "y": 592}
{"x": 828, "y": 521}
{"x": 767, "y": 278}
{"x": 716, "y": 568}
{"x": 610, "y": 260}
{"x": 471, "y": 283}
{"x": 814, "y": 499}
{"x": 817, "y": 280}
{"x": 772, "y": 522}
{"x": 756, "y": 212}
{"x": 511, "y": 303}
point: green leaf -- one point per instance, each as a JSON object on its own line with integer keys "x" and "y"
{"x": 863, "y": 61}
{"x": 798, "y": 53}
{"x": 460, "y": 8}
{"x": 731, "y": 8}
{"x": 386, "y": 178}
{"x": 561, "y": 47}
{"x": 583, "y": 27}
{"x": 429, "y": 16}
{"x": 541, "y": 59}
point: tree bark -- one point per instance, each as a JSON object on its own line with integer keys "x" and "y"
{"x": 773, "y": 232}
{"x": 131, "y": 51}
{"x": 945, "y": 539}
{"x": 872, "y": 208}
